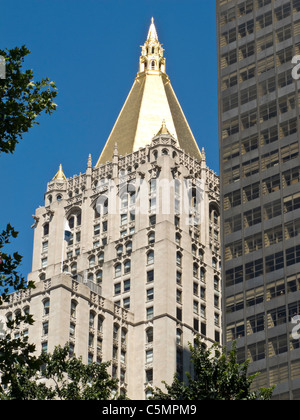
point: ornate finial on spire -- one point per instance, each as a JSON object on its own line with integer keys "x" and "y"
{"x": 89, "y": 162}
{"x": 152, "y": 34}
{"x": 152, "y": 53}
{"x": 60, "y": 174}
{"x": 163, "y": 129}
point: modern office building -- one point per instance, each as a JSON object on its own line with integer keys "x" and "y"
{"x": 260, "y": 188}
{"x": 126, "y": 256}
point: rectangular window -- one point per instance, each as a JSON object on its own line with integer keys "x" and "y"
{"x": 45, "y": 328}
{"x": 274, "y": 262}
{"x": 196, "y": 307}
{"x": 234, "y": 276}
{"x": 117, "y": 288}
{"x": 149, "y": 375}
{"x": 126, "y": 286}
{"x": 126, "y": 303}
{"x": 149, "y": 312}
{"x": 149, "y": 356}
{"x": 150, "y": 276}
{"x": 123, "y": 219}
{"x": 251, "y": 192}
{"x": 150, "y": 294}
{"x": 97, "y": 229}
{"x": 254, "y": 269}
{"x": 44, "y": 262}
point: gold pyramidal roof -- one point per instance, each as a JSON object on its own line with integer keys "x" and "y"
{"x": 60, "y": 174}
{"x": 151, "y": 100}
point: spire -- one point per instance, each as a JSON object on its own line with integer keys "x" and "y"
{"x": 150, "y": 100}
{"x": 152, "y": 59}
{"x": 89, "y": 162}
{"x": 59, "y": 174}
{"x": 152, "y": 33}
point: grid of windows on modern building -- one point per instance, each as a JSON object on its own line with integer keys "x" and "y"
{"x": 260, "y": 166}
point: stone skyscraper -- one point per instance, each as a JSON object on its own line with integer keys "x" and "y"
{"x": 260, "y": 189}
{"x": 126, "y": 256}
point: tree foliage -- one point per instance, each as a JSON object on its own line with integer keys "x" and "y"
{"x": 22, "y": 99}
{"x": 59, "y": 376}
{"x": 217, "y": 376}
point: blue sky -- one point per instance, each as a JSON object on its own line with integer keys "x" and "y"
{"x": 91, "y": 48}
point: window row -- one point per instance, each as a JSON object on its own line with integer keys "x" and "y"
{"x": 260, "y": 322}
{"x": 263, "y": 19}
{"x": 269, "y": 237}
{"x": 256, "y": 190}
{"x": 262, "y": 114}
{"x": 253, "y": 92}
{"x": 261, "y": 266}
{"x": 258, "y": 296}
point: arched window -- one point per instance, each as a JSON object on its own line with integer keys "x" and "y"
{"x": 153, "y": 65}
{"x": 214, "y": 263}
{"x": 100, "y": 323}
{"x": 151, "y": 238}
{"x": 165, "y": 152}
{"x": 178, "y": 337}
{"x": 202, "y": 274}
{"x": 74, "y": 268}
{"x": 99, "y": 276}
{"x": 127, "y": 266}
{"x": 193, "y": 197}
{"x": 73, "y": 308}
{"x": 195, "y": 270}
{"x": 101, "y": 206}
{"x": 201, "y": 255}
{"x": 119, "y": 250}
{"x": 123, "y": 335}
{"x": 128, "y": 247}
{"x": 92, "y": 261}
{"x": 116, "y": 331}
{"x": 90, "y": 277}
{"x": 178, "y": 258}
{"x": 46, "y": 306}
{"x": 214, "y": 213}
{"x": 101, "y": 258}
{"x": 74, "y": 217}
{"x": 118, "y": 270}
{"x": 124, "y": 200}
{"x": 92, "y": 319}
{"x": 149, "y": 335}
{"x": 194, "y": 249}
{"x": 216, "y": 283}
{"x": 150, "y": 257}
{"x": 26, "y": 310}
{"x": 46, "y": 229}
{"x": 177, "y": 238}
